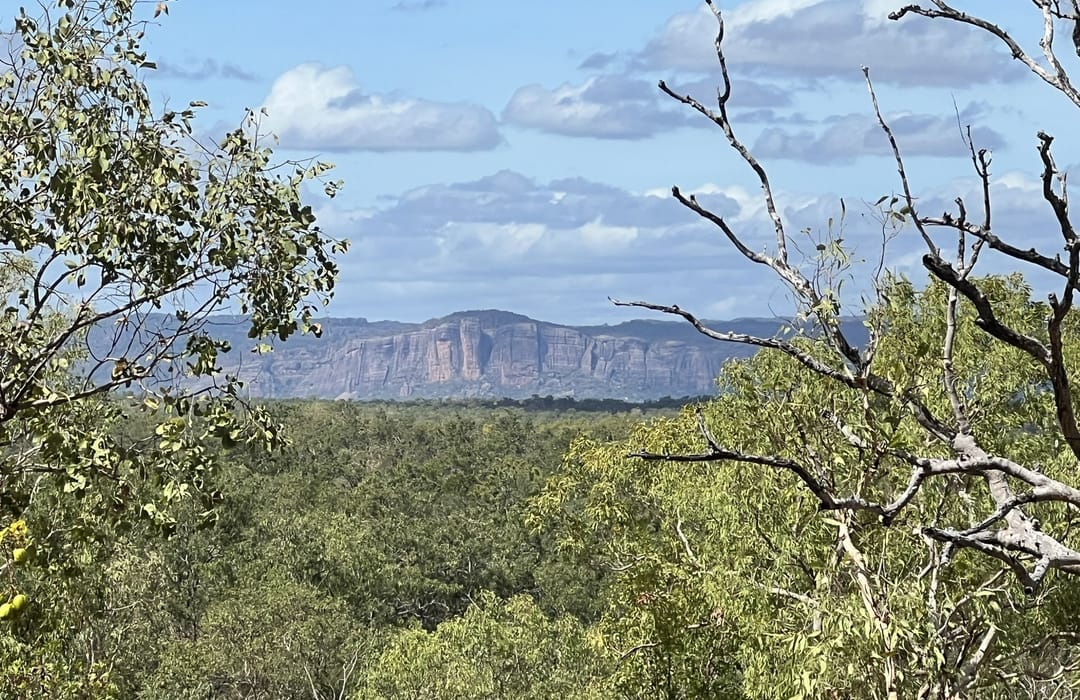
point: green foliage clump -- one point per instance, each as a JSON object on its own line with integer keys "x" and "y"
{"x": 729, "y": 568}
{"x": 496, "y": 649}
{"x": 375, "y": 527}
{"x": 124, "y": 231}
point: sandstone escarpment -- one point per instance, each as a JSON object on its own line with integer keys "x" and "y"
{"x": 495, "y": 353}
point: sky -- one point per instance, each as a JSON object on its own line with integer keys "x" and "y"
{"x": 520, "y": 156}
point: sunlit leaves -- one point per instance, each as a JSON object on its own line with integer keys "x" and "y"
{"x": 115, "y": 217}
{"x": 124, "y": 230}
{"x": 735, "y": 562}
{"x": 497, "y": 649}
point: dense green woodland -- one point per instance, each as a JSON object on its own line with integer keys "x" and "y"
{"x": 890, "y": 519}
{"x": 366, "y": 548}
{"x": 462, "y": 551}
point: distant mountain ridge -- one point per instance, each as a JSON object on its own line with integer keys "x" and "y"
{"x": 492, "y": 353}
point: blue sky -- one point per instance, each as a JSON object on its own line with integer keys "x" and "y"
{"x": 519, "y": 155}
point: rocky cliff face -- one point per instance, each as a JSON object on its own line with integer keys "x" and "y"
{"x": 494, "y": 353}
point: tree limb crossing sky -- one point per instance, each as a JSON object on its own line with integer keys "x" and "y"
{"x": 519, "y": 156}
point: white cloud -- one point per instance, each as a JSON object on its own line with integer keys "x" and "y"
{"x": 501, "y": 242}
{"x": 606, "y": 106}
{"x": 847, "y": 137}
{"x": 724, "y": 308}
{"x": 877, "y": 11}
{"x": 507, "y": 241}
{"x": 1015, "y": 180}
{"x": 750, "y": 204}
{"x": 830, "y": 38}
{"x": 764, "y": 11}
{"x": 515, "y": 225}
{"x": 598, "y": 236}
{"x": 315, "y": 108}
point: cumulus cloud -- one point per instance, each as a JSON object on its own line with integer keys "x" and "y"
{"x": 509, "y": 198}
{"x": 418, "y": 5}
{"x": 598, "y": 61}
{"x": 553, "y": 249}
{"x": 509, "y": 241}
{"x": 558, "y": 249}
{"x": 205, "y": 69}
{"x": 831, "y": 38}
{"x": 847, "y": 137}
{"x": 316, "y": 108}
{"x": 750, "y": 93}
{"x": 770, "y": 116}
{"x": 606, "y": 107}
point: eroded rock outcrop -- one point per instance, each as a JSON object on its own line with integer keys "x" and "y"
{"x": 482, "y": 354}
{"x": 495, "y": 353}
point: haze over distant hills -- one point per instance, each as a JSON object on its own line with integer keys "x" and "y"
{"x": 492, "y": 353}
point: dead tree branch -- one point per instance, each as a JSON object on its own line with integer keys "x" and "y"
{"x": 1006, "y": 532}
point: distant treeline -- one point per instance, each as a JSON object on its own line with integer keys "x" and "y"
{"x": 568, "y": 403}
{"x": 548, "y": 403}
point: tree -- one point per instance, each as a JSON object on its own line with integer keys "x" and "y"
{"x": 732, "y": 577}
{"x": 931, "y": 463}
{"x": 124, "y": 229}
{"x": 497, "y": 649}
{"x": 272, "y": 638}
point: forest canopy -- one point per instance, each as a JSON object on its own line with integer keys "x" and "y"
{"x": 889, "y": 519}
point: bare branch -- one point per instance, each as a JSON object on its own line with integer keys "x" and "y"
{"x": 1059, "y": 377}
{"x": 1029, "y": 256}
{"x": 970, "y": 670}
{"x": 785, "y": 593}
{"x": 1057, "y": 80}
{"x": 691, "y": 203}
{"x": 948, "y": 374}
{"x": 686, "y": 543}
{"x": 987, "y": 320}
{"x": 635, "y": 649}
{"x": 804, "y": 358}
{"x": 1058, "y": 203}
{"x": 780, "y": 264}
{"x": 782, "y": 463}
{"x": 908, "y": 199}
{"x": 720, "y": 119}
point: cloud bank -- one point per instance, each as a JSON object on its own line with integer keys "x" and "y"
{"x": 206, "y": 69}
{"x": 316, "y": 108}
{"x": 847, "y": 137}
{"x": 830, "y": 39}
{"x": 558, "y": 249}
{"x": 605, "y": 106}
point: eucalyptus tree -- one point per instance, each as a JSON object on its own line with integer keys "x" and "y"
{"x": 891, "y": 518}
{"x": 123, "y": 229}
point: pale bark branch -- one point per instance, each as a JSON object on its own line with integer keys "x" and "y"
{"x": 1006, "y": 533}
{"x": 945, "y": 11}
{"x": 908, "y": 198}
{"x": 780, "y": 264}
{"x": 801, "y": 356}
{"x": 785, "y": 593}
{"x": 970, "y": 671}
{"x": 719, "y": 118}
